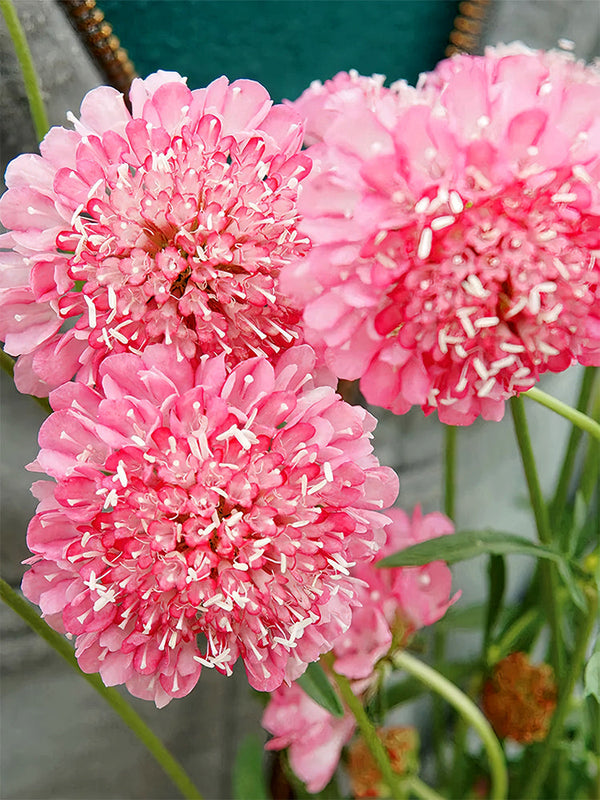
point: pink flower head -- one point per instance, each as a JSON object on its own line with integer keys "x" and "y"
{"x": 323, "y": 103}
{"x": 453, "y": 255}
{"x": 393, "y": 602}
{"x": 167, "y": 224}
{"x": 201, "y": 503}
{"x": 315, "y": 737}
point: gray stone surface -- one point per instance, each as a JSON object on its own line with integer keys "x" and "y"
{"x": 57, "y": 738}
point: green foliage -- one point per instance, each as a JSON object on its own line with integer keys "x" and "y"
{"x": 248, "y": 777}
{"x": 464, "y": 545}
{"x": 317, "y": 685}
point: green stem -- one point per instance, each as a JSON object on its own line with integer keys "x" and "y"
{"x": 591, "y": 463}
{"x": 576, "y": 417}
{"x": 369, "y": 734}
{"x": 7, "y": 364}
{"x": 149, "y": 739}
{"x": 34, "y": 96}
{"x": 562, "y": 486}
{"x": 467, "y": 709}
{"x": 549, "y": 584}
{"x": 439, "y": 732}
{"x": 439, "y": 636}
{"x": 449, "y": 470}
{"x": 537, "y": 771}
{"x": 421, "y": 789}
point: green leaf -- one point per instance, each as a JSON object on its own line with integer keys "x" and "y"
{"x": 464, "y": 545}
{"x": 574, "y": 589}
{"x": 317, "y": 685}
{"x": 591, "y": 676}
{"x": 248, "y": 776}
{"x": 497, "y": 583}
{"x": 464, "y": 618}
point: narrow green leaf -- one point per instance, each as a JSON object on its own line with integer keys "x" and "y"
{"x": 497, "y": 583}
{"x": 317, "y": 685}
{"x": 575, "y": 591}
{"x": 464, "y": 618}
{"x": 248, "y": 775}
{"x": 464, "y": 545}
{"x": 592, "y": 676}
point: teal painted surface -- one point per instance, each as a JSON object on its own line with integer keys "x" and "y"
{"x": 284, "y": 44}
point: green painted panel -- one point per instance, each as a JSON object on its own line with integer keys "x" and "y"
{"x": 284, "y": 44}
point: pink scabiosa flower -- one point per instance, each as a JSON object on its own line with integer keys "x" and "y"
{"x": 454, "y": 256}
{"x": 203, "y": 515}
{"x": 393, "y": 603}
{"x": 313, "y": 736}
{"x": 322, "y": 103}
{"x": 169, "y": 223}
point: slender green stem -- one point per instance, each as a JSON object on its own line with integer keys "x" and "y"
{"x": 458, "y": 758}
{"x": 439, "y": 732}
{"x": 467, "y": 709}
{"x": 562, "y": 486}
{"x": 568, "y": 412}
{"x": 591, "y": 463}
{"x": 549, "y": 584}
{"x": 7, "y": 364}
{"x": 149, "y": 739}
{"x": 449, "y": 470}
{"x": 34, "y": 96}
{"x": 370, "y": 736}
{"x": 439, "y": 636}
{"x": 537, "y": 771}
{"x": 421, "y": 789}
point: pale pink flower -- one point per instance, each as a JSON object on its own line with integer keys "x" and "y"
{"x": 167, "y": 224}
{"x": 315, "y": 737}
{"x": 200, "y": 503}
{"x": 455, "y": 248}
{"x": 323, "y": 103}
{"x": 394, "y": 602}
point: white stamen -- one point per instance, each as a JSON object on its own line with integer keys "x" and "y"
{"x": 486, "y": 388}
{"x": 455, "y": 202}
{"x": 486, "y": 322}
{"x": 422, "y": 205}
{"x": 441, "y": 222}
{"x": 91, "y": 311}
{"x": 424, "y": 248}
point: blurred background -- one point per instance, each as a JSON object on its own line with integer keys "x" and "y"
{"x": 58, "y": 740}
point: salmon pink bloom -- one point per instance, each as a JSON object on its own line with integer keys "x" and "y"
{"x": 454, "y": 247}
{"x": 169, "y": 223}
{"x": 201, "y": 515}
{"x": 315, "y": 737}
{"x": 393, "y": 603}
{"x": 323, "y": 103}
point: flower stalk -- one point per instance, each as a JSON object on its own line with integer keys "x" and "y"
{"x": 468, "y": 710}
{"x": 564, "y": 479}
{"x": 369, "y": 734}
{"x": 23, "y": 53}
{"x": 146, "y": 736}
{"x": 547, "y": 571}
{"x": 568, "y": 412}
{"x": 538, "y": 771}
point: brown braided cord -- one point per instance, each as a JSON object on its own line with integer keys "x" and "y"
{"x": 468, "y": 25}
{"x": 100, "y": 41}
